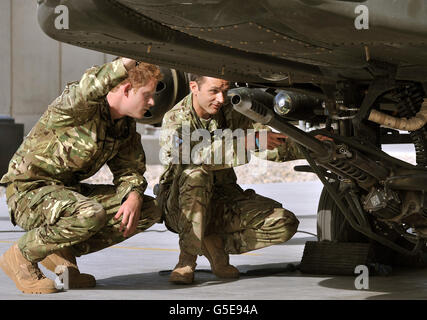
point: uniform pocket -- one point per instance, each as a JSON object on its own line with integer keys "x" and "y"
{"x": 36, "y": 207}
{"x": 38, "y": 195}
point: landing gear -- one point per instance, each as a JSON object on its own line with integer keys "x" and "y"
{"x": 332, "y": 223}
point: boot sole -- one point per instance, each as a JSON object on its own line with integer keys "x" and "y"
{"x": 9, "y": 272}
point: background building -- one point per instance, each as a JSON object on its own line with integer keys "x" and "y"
{"x": 35, "y": 68}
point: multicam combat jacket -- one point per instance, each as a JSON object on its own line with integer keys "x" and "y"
{"x": 178, "y": 127}
{"x": 76, "y": 136}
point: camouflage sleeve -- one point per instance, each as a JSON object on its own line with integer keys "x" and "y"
{"x": 167, "y": 136}
{"x": 78, "y": 100}
{"x": 225, "y": 149}
{"x": 98, "y": 81}
{"x": 182, "y": 143}
{"x": 288, "y": 151}
{"x": 128, "y": 167}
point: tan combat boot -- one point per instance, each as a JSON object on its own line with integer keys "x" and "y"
{"x": 64, "y": 257}
{"x": 27, "y": 276}
{"x": 218, "y": 258}
{"x": 184, "y": 270}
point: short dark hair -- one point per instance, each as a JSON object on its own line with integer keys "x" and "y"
{"x": 198, "y": 79}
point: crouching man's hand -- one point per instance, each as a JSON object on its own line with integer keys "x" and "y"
{"x": 128, "y": 63}
{"x": 131, "y": 212}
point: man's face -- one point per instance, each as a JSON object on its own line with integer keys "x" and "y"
{"x": 137, "y": 102}
{"x": 209, "y": 96}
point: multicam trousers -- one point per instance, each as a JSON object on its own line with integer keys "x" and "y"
{"x": 56, "y": 217}
{"x": 194, "y": 207}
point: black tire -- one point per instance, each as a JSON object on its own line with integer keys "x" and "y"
{"x": 331, "y": 223}
{"x": 332, "y": 226}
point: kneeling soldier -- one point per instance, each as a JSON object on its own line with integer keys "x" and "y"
{"x": 202, "y": 202}
{"x": 90, "y": 124}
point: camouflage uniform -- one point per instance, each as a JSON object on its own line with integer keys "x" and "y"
{"x": 72, "y": 140}
{"x": 200, "y": 199}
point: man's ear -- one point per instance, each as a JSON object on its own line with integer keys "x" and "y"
{"x": 126, "y": 89}
{"x": 194, "y": 87}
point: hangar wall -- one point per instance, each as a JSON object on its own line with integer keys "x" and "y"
{"x": 35, "y": 68}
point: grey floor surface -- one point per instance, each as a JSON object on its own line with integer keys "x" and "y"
{"x": 138, "y": 268}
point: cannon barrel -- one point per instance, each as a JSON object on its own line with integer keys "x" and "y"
{"x": 254, "y": 104}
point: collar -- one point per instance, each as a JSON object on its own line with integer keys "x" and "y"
{"x": 211, "y": 124}
{"x": 117, "y": 128}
